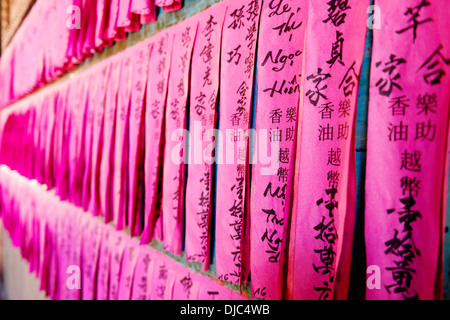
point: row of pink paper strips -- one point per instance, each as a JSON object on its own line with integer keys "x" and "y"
{"x": 107, "y": 139}
{"x": 75, "y": 256}
{"x": 113, "y": 141}
{"x": 57, "y": 35}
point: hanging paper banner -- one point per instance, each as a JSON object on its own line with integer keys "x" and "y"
{"x": 278, "y": 93}
{"x": 80, "y": 51}
{"x": 127, "y": 269}
{"x": 127, "y": 20}
{"x": 74, "y": 34}
{"x": 146, "y": 9}
{"x": 156, "y": 98}
{"x": 78, "y": 157}
{"x": 45, "y": 247}
{"x": 120, "y": 172}
{"x": 93, "y": 82}
{"x": 185, "y": 286}
{"x": 113, "y": 32}
{"x": 102, "y": 292}
{"x": 239, "y": 38}
{"x": 163, "y": 278}
{"x": 54, "y": 254}
{"x": 109, "y": 130}
{"x": 175, "y": 143}
{"x": 407, "y": 147}
{"x": 328, "y": 109}
{"x": 143, "y": 274}
{"x": 69, "y": 283}
{"x": 175, "y": 6}
{"x": 39, "y": 132}
{"x": 91, "y": 246}
{"x": 117, "y": 243}
{"x": 62, "y": 173}
{"x": 203, "y": 108}
{"x": 89, "y": 41}
{"x": 101, "y": 25}
{"x": 210, "y": 290}
{"x": 141, "y": 58}
{"x": 76, "y": 113}
{"x": 98, "y": 135}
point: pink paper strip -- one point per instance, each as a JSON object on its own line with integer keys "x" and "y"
{"x": 238, "y": 59}
{"x": 203, "y": 105}
{"x": 130, "y": 256}
{"x": 62, "y": 173}
{"x": 407, "y": 149}
{"x": 176, "y": 118}
{"x": 74, "y": 33}
{"x": 175, "y": 6}
{"x": 101, "y": 24}
{"x": 117, "y": 242}
{"x": 91, "y": 17}
{"x": 127, "y": 20}
{"x": 76, "y": 244}
{"x": 103, "y": 265}
{"x": 278, "y": 93}
{"x": 109, "y": 131}
{"x": 143, "y": 274}
{"x": 146, "y": 9}
{"x": 155, "y": 108}
{"x": 163, "y": 279}
{"x": 328, "y": 122}
{"x": 186, "y": 285}
{"x": 53, "y": 290}
{"x": 121, "y": 143}
{"x": 141, "y": 59}
{"x": 113, "y": 33}
{"x": 104, "y": 72}
{"x": 64, "y": 243}
{"x": 39, "y": 135}
{"x": 83, "y": 40}
{"x": 76, "y": 112}
{"x": 210, "y": 290}
{"x": 84, "y": 144}
{"x": 91, "y": 246}
{"x": 88, "y": 141}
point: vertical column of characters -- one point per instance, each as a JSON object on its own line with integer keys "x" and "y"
{"x": 109, "y": 137}
{"x": 120, "y": 173}
{"x": 203, "y": 109}
{"x": 175, "y": 153}
{"x": 238, "y": 60}
{"x": 406, "y": 149}
{"x": 335, "y": 48}
{"x": 141, "y": 57}
{"x": 280, "y": 57}
{"x": 154, "y": 120}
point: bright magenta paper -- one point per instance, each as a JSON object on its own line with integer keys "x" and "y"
{"x": 278, "y": 92}
{"x": 407, "y": 150}
{"x": 328, "y": 109}
{"x": 239, "y": 38}
{"x": 203, "y": 109}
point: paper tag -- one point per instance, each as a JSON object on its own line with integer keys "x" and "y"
{"x": 407, "y": 147}
{"x": 203, "y": 108}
